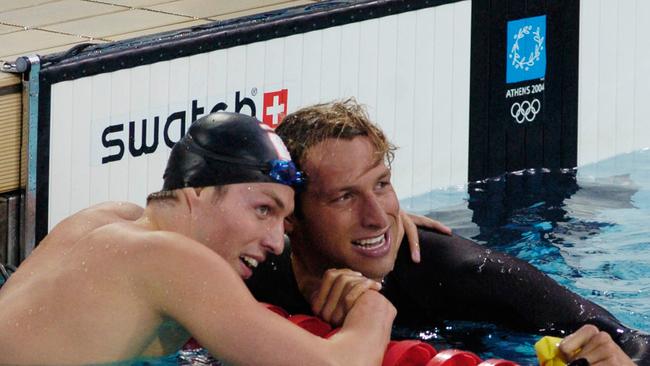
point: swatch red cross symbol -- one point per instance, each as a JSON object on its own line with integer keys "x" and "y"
{"x": 275, "y": 107}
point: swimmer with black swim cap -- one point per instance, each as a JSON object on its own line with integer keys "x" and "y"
{"x": 227, "y": 148}
{"x": 115, "y": 282}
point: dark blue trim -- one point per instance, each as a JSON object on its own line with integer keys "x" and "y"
{"x": 85, "y": 60}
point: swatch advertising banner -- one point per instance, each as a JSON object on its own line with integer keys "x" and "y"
{"x": 108, "y": 116}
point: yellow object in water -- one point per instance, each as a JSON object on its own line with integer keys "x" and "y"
{"x": 548, "y": 352}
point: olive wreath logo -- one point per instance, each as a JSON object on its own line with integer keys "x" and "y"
{"x": 526, "y": 62}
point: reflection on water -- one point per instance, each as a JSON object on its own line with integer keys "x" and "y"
{"x": 588, "y": 229}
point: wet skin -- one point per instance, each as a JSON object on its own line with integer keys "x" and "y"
{"x": 350, "y": 212}
{"x": 257, "y": 212}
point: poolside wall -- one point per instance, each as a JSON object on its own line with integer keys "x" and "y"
{"x": 411, "y": 70}
{"x": 433, "y": 74}
{"x": 614, "y": 78}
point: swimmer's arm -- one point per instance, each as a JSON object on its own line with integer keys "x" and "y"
{"x": 205, "y": 295}
{"x": 479, "y": 284}
{"x": 494, "y": 286}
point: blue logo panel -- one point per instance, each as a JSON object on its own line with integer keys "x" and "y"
{"x": 526, "y": 52}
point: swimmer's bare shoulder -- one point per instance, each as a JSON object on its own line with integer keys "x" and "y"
{"x": 74, "y": 227}
{"x": 156, "y": 275}
{"x": 102, "y": 214}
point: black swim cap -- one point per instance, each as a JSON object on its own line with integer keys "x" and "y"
{"x": 226, "y": 148}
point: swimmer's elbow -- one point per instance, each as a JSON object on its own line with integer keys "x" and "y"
{"x": 352, "y": 357}
{"x": 353, "y": 348}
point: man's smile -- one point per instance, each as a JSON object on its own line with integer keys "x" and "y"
{"x": 376, "y": 246}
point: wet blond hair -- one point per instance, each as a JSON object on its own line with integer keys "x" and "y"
{"x": 341, "y": 119}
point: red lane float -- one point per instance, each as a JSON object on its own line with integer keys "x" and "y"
{"x": 398, "y": 353}
{"x": 408, "y": 353}
{"x": 312, "y": 324}
{"x": 454, "y": 357}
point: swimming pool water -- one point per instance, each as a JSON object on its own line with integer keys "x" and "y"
{"x": 587, "y": 228}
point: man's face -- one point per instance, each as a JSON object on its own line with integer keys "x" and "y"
{"x": 350, "y": 210}
{"x": 245, "y": 223}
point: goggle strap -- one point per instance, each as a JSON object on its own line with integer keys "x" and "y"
{"x": 267, "y": 168}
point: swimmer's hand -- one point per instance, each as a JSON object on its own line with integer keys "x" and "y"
{"x": 410, "y": 223}
{"x": 595, "y": 346}
{"x": 338, "y": 292}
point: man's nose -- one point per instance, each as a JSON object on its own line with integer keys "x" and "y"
{"x": 274, "y": 241}
{"x": 373, "y": 214}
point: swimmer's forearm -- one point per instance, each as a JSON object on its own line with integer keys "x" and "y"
{"x": 224, "y": 317}
{"x": 365, "y": 332}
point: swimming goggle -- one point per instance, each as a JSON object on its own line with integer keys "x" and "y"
{"x": 285, "y": 172}
{"x": 281, "y": 171}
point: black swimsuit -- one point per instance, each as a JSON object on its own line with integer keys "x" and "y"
{"x": 5, "y": 272}
{"x": 458, "y": 279}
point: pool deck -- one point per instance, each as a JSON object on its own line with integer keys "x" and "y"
{"x": 29, "y": 27}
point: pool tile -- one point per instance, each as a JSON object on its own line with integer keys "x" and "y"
{"x": 125, "y": 21}
{"x": 21, "y": 43}
{"x": 218, "y": 9}
{"x": 55, "y": 12}
{"x": 13, "y": 5}
{"x": 9, "y": 28}
{"x": 263, "y": 9}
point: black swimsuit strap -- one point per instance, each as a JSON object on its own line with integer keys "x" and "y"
{"x": 4, "y": 273}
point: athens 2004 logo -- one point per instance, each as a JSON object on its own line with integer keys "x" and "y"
{"x": 526, "y": 52}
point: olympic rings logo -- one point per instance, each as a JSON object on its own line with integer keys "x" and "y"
{"x": 525, "y": 111}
